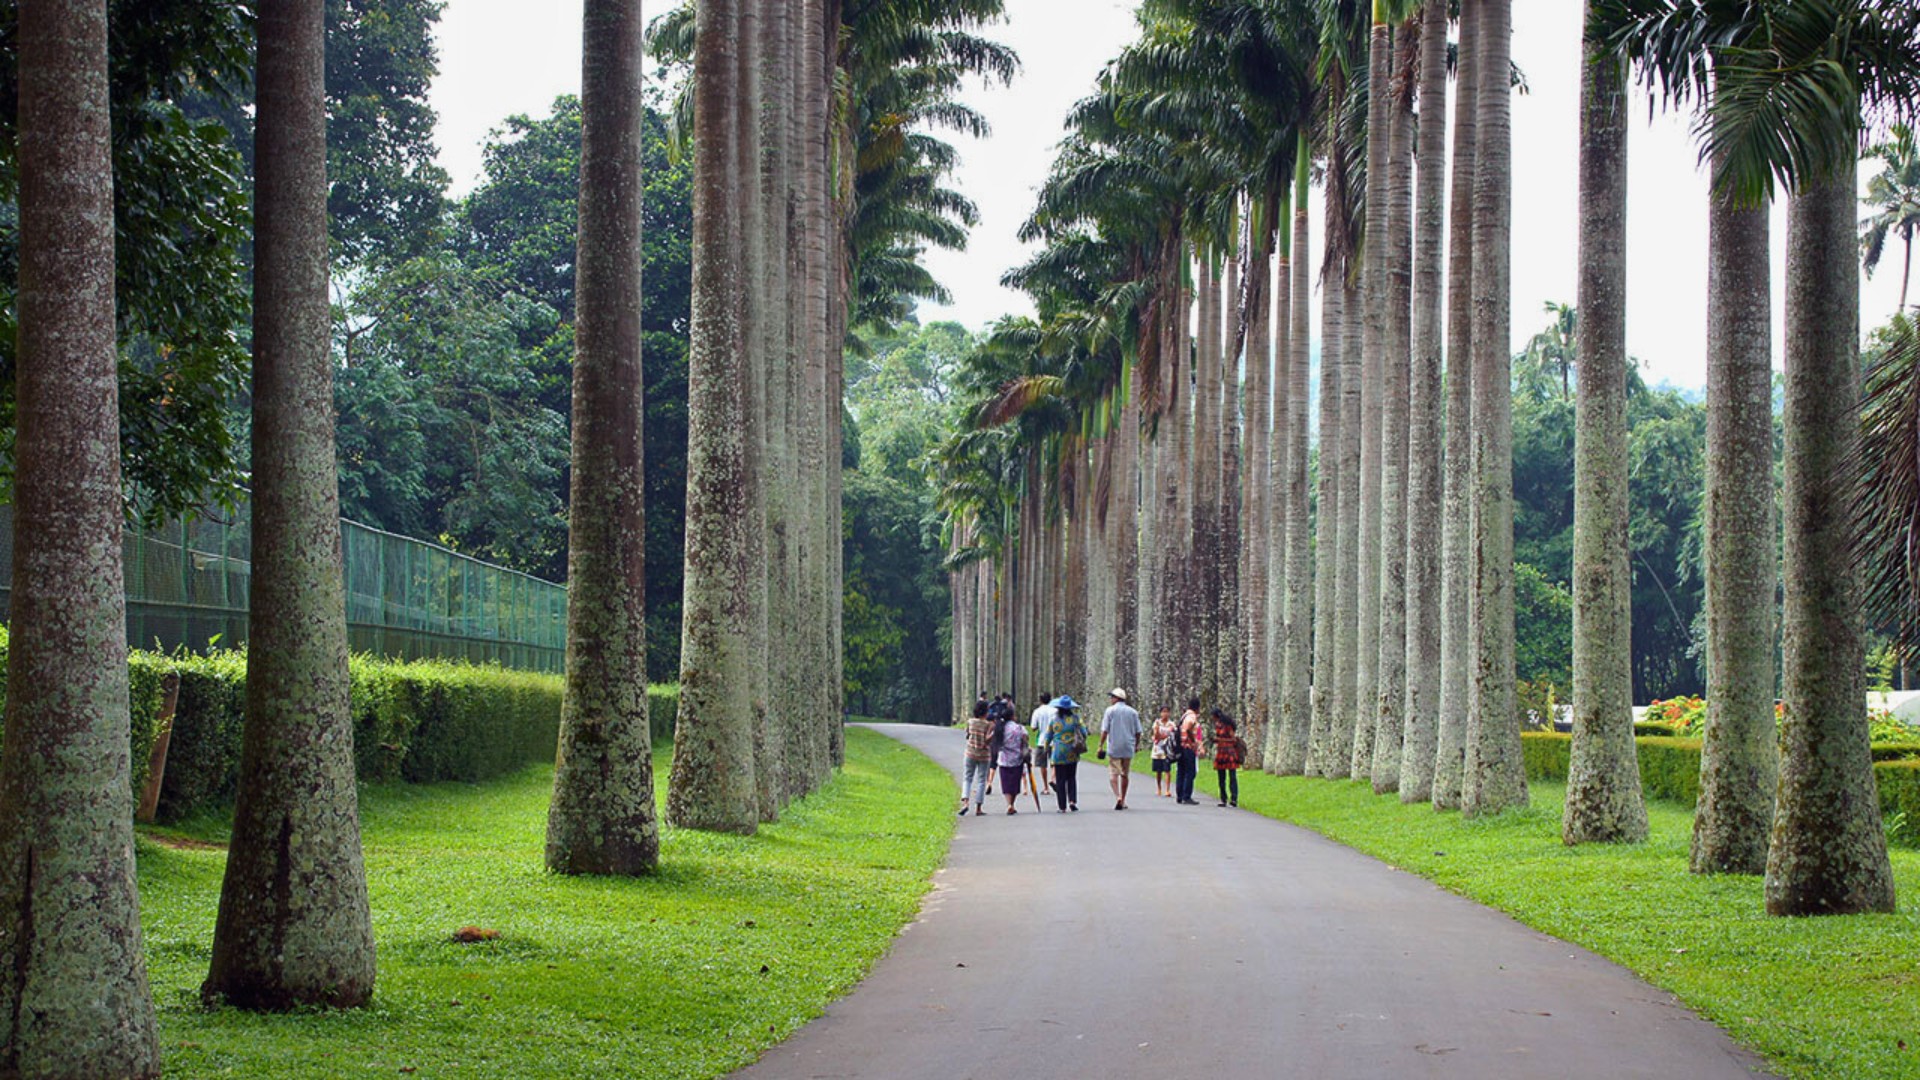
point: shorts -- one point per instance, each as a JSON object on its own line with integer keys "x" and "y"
{"x": 1042, "y": 756}
{"x": 1161, "y": 764}
{"x": 1118, "y": 765}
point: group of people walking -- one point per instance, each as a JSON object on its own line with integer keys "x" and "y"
{"x": 1045, "y": 752}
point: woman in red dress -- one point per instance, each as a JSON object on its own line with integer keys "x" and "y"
{"x": 1229, "y": 753}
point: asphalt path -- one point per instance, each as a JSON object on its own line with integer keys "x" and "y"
{"x": 1192, "y": 941}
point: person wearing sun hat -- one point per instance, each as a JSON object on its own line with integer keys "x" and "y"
{"x": 1119, "y": 738}
{"x": 1066, "y": 739}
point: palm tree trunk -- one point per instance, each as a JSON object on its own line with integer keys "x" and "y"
{"x": 1328, "y": 556}
{"x": 1256, "y": 533}
{"x": 1226, "y": 611}
{"x": 602, "y": 817}
{"x": 1296, "y": 703}
{"x": 1273, "y": 475}
{"x": 1347, "y": 650}
{"x": 1829, "y": 853}
{"x": 782, "y": 403}
{"x": 1456, "y": 556}
{"x": 74, "y": 1001}
{"x": 1124, "y": 524}
{"x": 1495, "y": 774}
{"x": 1426, "y": 439}
{"x": 1390, "y": 706}
{"x": 1739, "y": 755}
{"x": 819, "y": 41}
{"x": 1375, "y": 246}
{"x": 1204, "y": 466}
{"x": 293, "y": 927}
{"x": 723, "y": 645}
{"x": 1604, "y": 804}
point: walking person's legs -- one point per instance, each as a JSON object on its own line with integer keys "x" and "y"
{"x": 1220, "y": 777}
{"x": 1119, "y": 772}
{"x": 1060, "y": 786}
{"x": 1233, "y": 779}
{"x": 1066, "y": 778}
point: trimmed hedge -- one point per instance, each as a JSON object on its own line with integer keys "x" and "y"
{"x": 1900, "y": 799}
{"x": 416, "y": 721}
{"x": 1670, "y": 769}
{"x": 1654, "y": 727}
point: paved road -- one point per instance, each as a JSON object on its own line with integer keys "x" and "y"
{"x": 1180, "y": 941}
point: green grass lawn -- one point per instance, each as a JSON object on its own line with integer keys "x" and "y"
{"x": 1826, "y": 998}
{"x": 689, "y": 973}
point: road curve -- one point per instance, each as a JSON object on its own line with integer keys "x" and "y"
{"x": 1181, "y": 941}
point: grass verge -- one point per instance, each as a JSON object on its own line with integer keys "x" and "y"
{"x": 689, "y": 973}
{"x": 1829, "y": 997}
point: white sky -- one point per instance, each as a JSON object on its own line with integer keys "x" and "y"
{"x": 495, "y": 61}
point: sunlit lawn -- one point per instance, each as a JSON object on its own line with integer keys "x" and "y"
{"x": 689, "y": 973}
{"x": 1827, "y": 998}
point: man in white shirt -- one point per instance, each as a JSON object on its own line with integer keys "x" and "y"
{"x": 1119, "y": 737}
{"x": 1041, "y": 723}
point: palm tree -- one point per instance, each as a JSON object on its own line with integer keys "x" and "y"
{"x": 723, "y": 624}
{"x": 1894, "y": 193}
{"x": 293, "y": 927}
{"x": 1495, "y": 776}
{"x": 1389, "y": 710}
{"x": 1456, "y": 581}
{"x": 602, "y": 817}
{"x": 73, "y": 982}
{"x": 1424, "y": 452}
{"x": 1296, "y": 697}
{"x": 1376, "y": 246}
{"x": 1604, "y": 803}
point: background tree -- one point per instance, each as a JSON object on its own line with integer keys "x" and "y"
{"x": 73, "y": 985}
{"x": 181, "y": 225}
{"x": 293, "y": 927}
{"x": 1893, "y": 194}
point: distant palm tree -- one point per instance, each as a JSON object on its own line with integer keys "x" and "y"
{"x": 1894, "y": 193}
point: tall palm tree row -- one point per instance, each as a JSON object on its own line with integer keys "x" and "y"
{"x": 818, "y": 193}
{"x": 1785, "y": 91}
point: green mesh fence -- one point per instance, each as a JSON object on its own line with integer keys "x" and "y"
{"x": 187, "y": 587}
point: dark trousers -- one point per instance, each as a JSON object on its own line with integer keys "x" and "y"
{"x": 1229, "y": 777}
{"x": 1066, "y": 783}
{"x": 1183, "y": 776}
